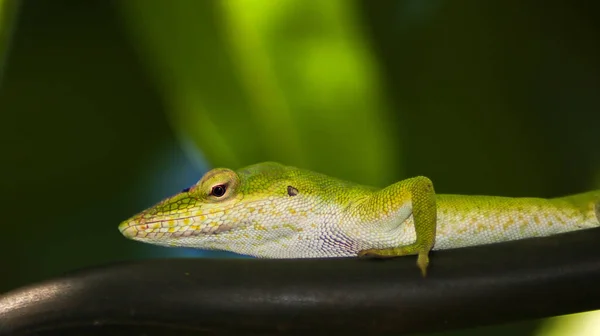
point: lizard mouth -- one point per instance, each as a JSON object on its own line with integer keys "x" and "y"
{"x": 155, "y": 229}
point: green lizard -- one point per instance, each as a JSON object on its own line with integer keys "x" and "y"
{"x": 274, "y": 211}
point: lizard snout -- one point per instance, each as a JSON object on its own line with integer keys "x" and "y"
{"x": 128, "y": 230}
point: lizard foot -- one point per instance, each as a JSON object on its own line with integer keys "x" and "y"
{"x": 422, "y": 259}
{"x": 374, "y": 253}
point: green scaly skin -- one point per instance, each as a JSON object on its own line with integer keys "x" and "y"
{"x": 273, "y": 211}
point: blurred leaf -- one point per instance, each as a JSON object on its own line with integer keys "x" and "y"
{"x": 8, "y": 13}
{"x": 586, "y": 323}
{"x": 290, "y": 81}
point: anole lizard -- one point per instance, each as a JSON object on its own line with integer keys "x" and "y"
{"x": 274, "y": 211}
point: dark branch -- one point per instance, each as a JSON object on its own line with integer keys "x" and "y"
{"x": 465, "y": 288}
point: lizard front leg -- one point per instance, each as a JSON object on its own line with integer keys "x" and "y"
{"x": 419, "y": 191}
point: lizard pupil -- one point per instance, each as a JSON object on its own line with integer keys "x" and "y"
{"x": 186, "y": 189}
{"x": 218, "y": 190}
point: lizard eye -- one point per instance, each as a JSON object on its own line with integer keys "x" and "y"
{"x": 186, "y": 190}
{"x": 218, "y": 185}
{"x": 218, "y": 190}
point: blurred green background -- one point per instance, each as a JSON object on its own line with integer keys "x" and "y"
{"x": 106, "y": 107}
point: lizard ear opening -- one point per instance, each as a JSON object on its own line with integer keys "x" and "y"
{"x": 292, "y": 191}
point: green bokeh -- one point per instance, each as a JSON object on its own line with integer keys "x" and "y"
{"x": 8, "y": 15}
{"x": 250, "y": 81}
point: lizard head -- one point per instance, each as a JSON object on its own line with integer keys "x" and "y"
{"x": 228, "y": 210}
